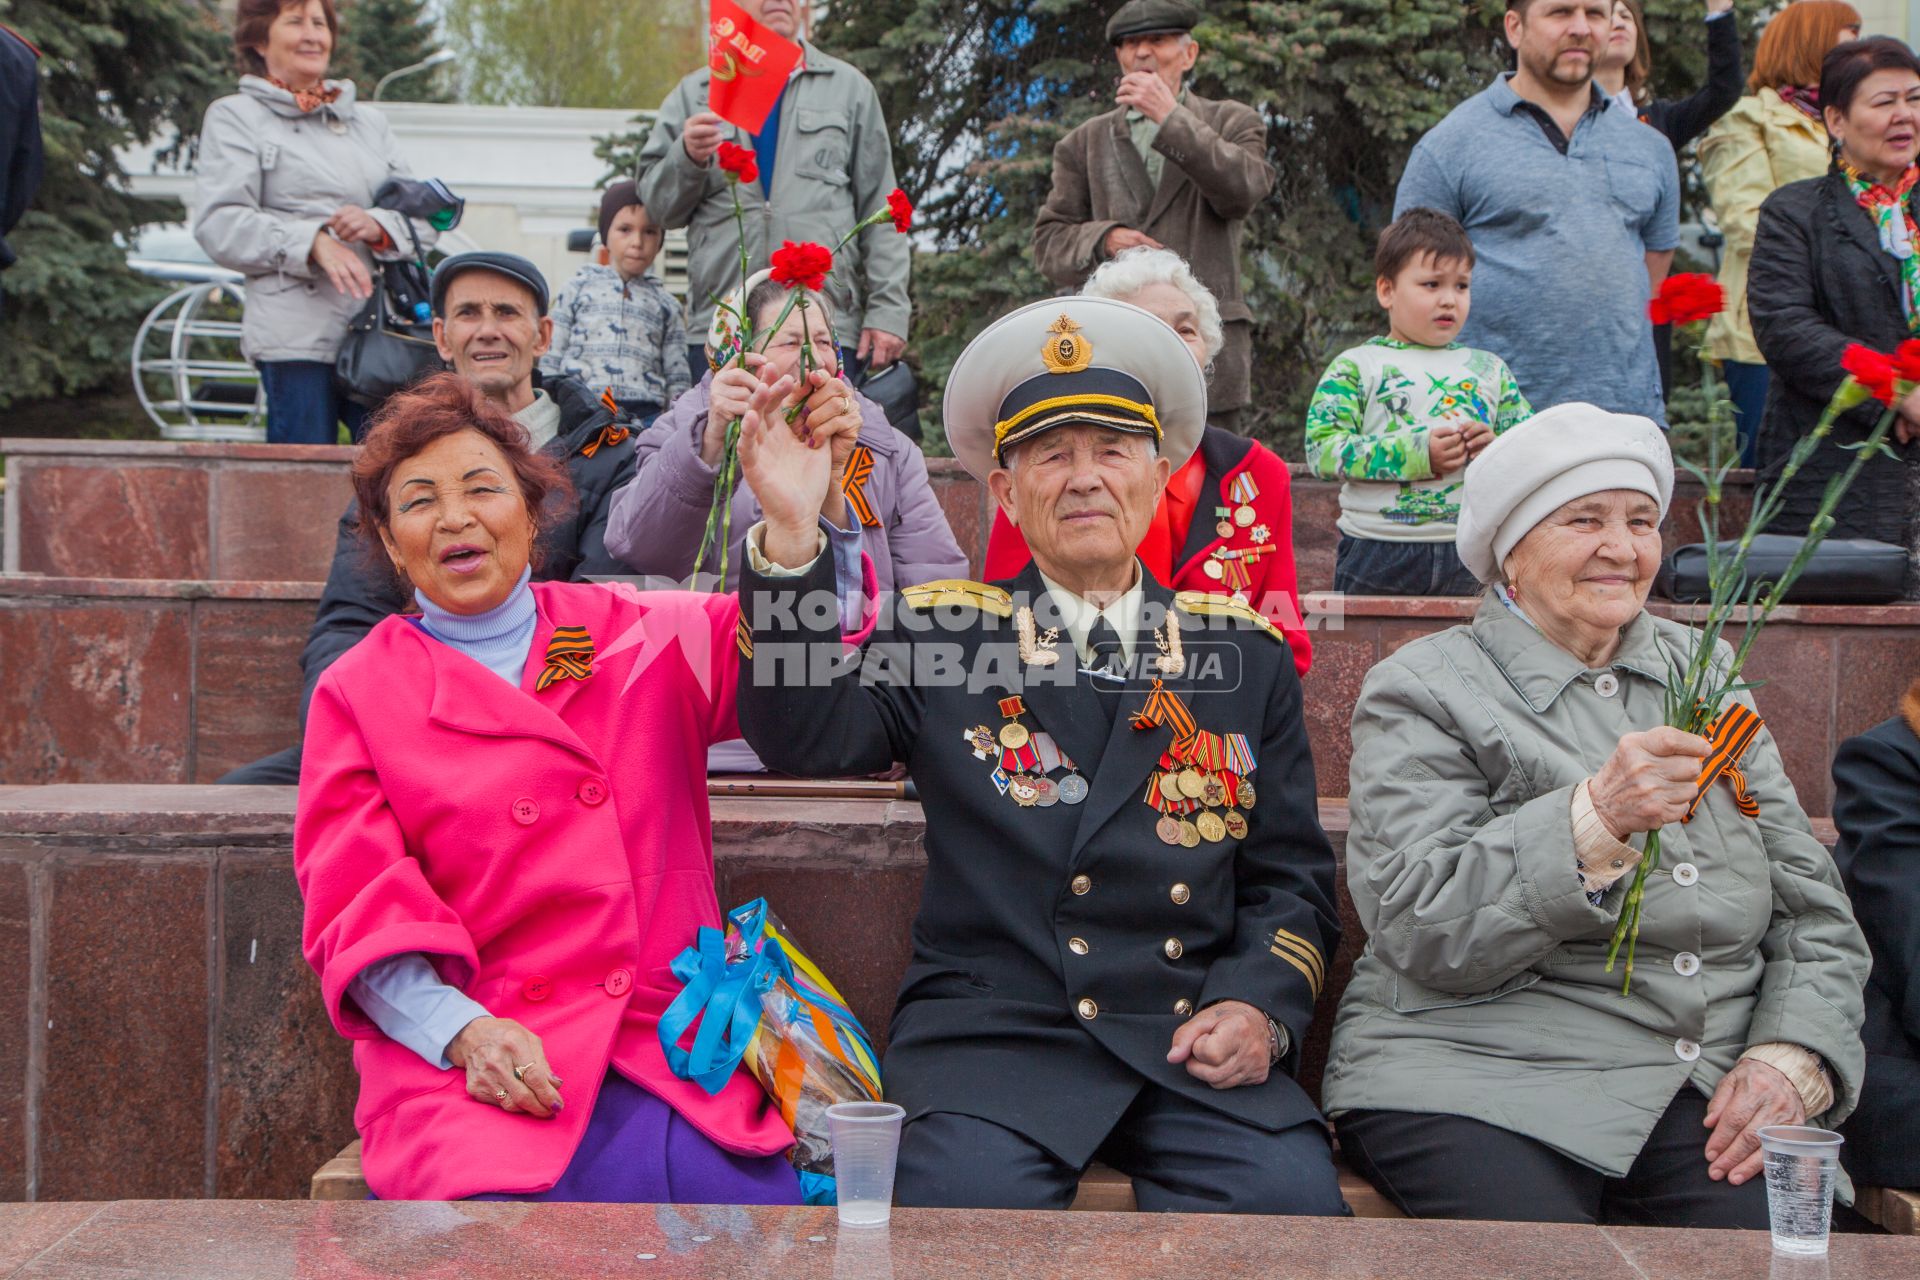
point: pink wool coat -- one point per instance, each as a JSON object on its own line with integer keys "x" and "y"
{"x": 550, "y": 852}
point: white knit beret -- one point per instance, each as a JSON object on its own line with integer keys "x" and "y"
{"x": 1559, "y": 454}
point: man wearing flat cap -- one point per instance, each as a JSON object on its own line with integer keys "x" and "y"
{"x": 491, "y": 324}
{"x": 1166, "y": 168}
{"x": 1129, "y": 903}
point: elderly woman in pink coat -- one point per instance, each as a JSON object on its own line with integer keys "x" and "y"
{"x": 503, "y": 837}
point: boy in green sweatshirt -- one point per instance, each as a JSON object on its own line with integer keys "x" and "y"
{"x": 1399, "y": 418}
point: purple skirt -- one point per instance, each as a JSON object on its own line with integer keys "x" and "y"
{"x": 639, "y": 1150}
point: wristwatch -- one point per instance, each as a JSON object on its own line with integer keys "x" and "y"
{"x": 1276, "y": 1042}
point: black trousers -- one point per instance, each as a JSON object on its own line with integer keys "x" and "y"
{"x": 1182, "y": 1157}
{"x": 1440, "y": 1166}
{"x": 281, "y": 769}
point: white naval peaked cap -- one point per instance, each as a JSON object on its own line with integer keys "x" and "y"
{"x": 1091, "y": 361}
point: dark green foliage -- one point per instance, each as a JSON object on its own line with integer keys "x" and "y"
{"x": 378, "y": 36}
{"x": 113, "y": 72}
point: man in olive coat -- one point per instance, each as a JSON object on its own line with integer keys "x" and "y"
{"x": 1129, "y": 905}
{"x": 1166, "y": 168}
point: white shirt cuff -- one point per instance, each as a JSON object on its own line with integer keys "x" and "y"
{"x": 1599, "y": 858}
{"x": 1801, "y": 1066}
{"x": 757, "y": 556}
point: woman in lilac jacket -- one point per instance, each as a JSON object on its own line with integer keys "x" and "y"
{"x": 655, "y": 522}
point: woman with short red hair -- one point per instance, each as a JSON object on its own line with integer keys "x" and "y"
{"x": 287, "y": 173}
{"x": 503, "y": 841}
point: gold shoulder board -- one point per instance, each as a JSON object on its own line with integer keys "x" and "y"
{"x": 1208, "y": 604}
{"x": 961, "y": 593}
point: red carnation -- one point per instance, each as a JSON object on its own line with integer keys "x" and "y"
{"x": 1906, "y": 362}
{"x": 802, "y": 266}
{"x": 739, "y": 161}
{"x": 1870, "y": 369}
{"x": 1687, "y": 297}
{"x": 902, "y": 210}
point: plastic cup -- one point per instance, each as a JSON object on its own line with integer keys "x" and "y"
{"x": 1802, "y": 1164}
{"x": 866, "y": 1146}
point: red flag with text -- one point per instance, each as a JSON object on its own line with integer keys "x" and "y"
{"x": 750, "y": 65}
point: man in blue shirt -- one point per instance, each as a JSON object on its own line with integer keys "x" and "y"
{"x": 1573, "y": 208}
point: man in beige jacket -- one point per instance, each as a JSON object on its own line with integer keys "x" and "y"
{"x": 1165, "y": 168}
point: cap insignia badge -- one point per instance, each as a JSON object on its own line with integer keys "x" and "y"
{"x": 1066, "y": 351}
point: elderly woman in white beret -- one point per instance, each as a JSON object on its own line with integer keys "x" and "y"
{"x": 1485, "y": 1063}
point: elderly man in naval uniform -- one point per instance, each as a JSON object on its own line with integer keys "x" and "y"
{"x": 1129, "y": 903}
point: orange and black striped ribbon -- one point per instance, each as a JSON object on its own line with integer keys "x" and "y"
{"x": 1730, "y": 735}
{"x": 1164, "y": 707}
{"x": 611, "y": 434}
{"x": 859, "y": 467}
{"x": 569, "y": 657}
{"x": 606, "y": 398}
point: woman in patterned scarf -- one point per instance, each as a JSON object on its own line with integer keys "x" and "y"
{"x": 1833, "y": 264}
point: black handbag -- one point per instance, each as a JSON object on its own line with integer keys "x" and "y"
{"x": 897, "y": 392}
{"x": 1842, "y": 570}
{"x": 389, "y": 343}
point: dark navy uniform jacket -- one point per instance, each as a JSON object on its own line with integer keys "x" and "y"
{"x": 1057, "y": 948}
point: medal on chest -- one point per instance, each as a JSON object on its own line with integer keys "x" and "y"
{"x": 1024, "y": 759}
{"x": 1199, "y": 787}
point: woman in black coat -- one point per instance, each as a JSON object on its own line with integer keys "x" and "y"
{"x": 1826, "y": 274}
{"x": 1876, "y": 806}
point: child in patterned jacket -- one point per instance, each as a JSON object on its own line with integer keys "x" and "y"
{"x": 1399, "y": 418}
{"x": 615, "y": 327}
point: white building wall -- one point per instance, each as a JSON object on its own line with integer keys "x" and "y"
{"x": 528, "y": 175}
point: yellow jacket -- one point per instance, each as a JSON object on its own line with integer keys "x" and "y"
{"x": 1756, "y": 148}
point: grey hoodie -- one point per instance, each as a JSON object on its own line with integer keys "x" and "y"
{"x": 268, "y": 178}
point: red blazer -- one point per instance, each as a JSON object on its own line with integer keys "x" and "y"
{"x": 550, "y": 852}
{"x": 1272, "y": 586}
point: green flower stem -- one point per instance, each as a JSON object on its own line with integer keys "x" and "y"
{"x": 1695, "y": 696}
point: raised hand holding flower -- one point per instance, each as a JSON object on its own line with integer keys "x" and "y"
{"x": 738, "y": 162}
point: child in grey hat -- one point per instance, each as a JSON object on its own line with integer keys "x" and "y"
{"x": 615, "y": 327}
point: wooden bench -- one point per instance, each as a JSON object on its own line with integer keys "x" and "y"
{"x": 1890, "y": 1209}
{"x": 1102, "y": 1190}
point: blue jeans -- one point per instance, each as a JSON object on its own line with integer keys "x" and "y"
{"x": 302, "y": 405}
{"x": 1747, "y": 388}
{"x": 1366, "y": 567}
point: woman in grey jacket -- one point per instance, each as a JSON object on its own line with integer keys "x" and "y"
{"x": 1484, "y": 1061}
{"x": 287, "y": 169}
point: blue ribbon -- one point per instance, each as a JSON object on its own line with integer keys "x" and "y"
{"x": 726, "y": 999}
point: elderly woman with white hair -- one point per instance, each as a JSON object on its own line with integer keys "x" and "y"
{"x": 1225, "y": 522}
{"x": 1485, "y": 1063}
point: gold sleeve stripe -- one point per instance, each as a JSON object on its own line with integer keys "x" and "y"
{"x": 1304, "y": 949}
{"x": 743, "y": 636}
{"x": 1306, "y": 970}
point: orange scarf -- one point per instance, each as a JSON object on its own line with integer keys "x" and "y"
{"x": 308, "y": 99}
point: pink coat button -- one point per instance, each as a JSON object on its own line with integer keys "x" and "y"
{"x": 593, "y": 791}
{"x": 619, "y": 982}
{"x": 525, "y": 811}
{"x": 537, "y": 988}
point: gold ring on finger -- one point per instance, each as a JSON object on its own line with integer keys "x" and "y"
{"x": 500, "y": 1096}
{"x": 520, "y": 1073}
